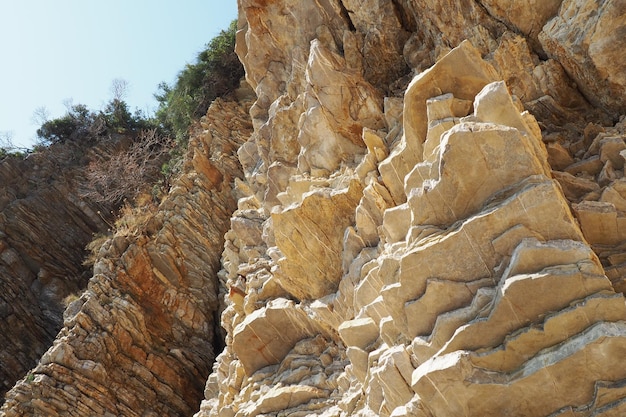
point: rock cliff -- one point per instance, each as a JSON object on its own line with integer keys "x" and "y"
{"x": 139, "y": 340}
{"x": 423, "y": 214}
{"x": 44, "y": 227}
{"x": 433, "y": 215}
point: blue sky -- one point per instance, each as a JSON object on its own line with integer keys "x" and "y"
{"x": 55, "y": 50}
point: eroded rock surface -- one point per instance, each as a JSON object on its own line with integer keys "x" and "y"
{"x": 586, "y": 37}
{"x": 430, "y": 222}
{"x": 44, "y": 227}
{"x": 480, "y": 255}
{"x": 140, "y": 340}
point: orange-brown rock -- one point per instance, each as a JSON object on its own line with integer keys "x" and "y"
{"x": 140, "y": 340}
{"x": 44, "y": 227}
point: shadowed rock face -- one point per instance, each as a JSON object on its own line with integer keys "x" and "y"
{"x": 44, "y": 227}
{"x": 429, "y": 221}
{"x": 462, "y": 284}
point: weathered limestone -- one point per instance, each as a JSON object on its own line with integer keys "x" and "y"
{"x": 318, "y": 225}
{"x": 481, "y": 340}
{"x": 359, "y": 333}
{"x": 339, "y": 105}
{"x": 438, "y": 80}
{"x": 456, "y": 268}
{"x": 261, "y": 340}
{"x": 586, "y": 38}
{"x": 523, "y": 16}
{"x": 382, "y": 32}
{"x": 594, "y": 184}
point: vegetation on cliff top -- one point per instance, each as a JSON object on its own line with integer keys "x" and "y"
{"x": 138, "y": 154}
{"x": 144, "y": 151}
{"x": 216, "y": 72}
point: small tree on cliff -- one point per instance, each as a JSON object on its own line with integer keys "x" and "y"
{"x": 216, "y": 72}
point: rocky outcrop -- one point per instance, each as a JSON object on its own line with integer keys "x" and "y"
{"x": 586, "y": 38}
{"x": 429, "y": 222}
{"x": 140, "y": 340}
{"x": 458, "y": 250}
{"x": 592, "y": 178}
{"x": 45, "y": 225}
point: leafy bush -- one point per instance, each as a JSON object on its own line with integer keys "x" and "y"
{"x": 79, "y": 121}
{"x": 216, "y": 73}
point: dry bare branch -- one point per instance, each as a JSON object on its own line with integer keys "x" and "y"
{"x": 128, "y": 172}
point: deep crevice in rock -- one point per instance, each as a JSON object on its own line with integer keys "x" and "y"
{"x": 345, "y": 14}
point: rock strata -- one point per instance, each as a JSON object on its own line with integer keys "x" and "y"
{"x": 475, "y": 269}
{"x": 44, "y": 227}
{"x": 429, "y": 221}
{"x": 585, "y": 37}
{"x": 139, "y": 341}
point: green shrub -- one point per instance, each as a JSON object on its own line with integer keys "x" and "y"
{"x": 77, "y": 122}
{"x": 216, "y": 72}
{"x": 80, "y": 123}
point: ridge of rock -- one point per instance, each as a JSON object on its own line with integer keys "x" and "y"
{"x": 139, "y": 340}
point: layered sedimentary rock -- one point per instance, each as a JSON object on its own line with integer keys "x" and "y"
{"x": 471, "y": 263}
{"x": 44, "y": 227}
{"x": 430, "y": 222}
{"x": 592, "y": 178}
{"x": 140, "y": 340}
